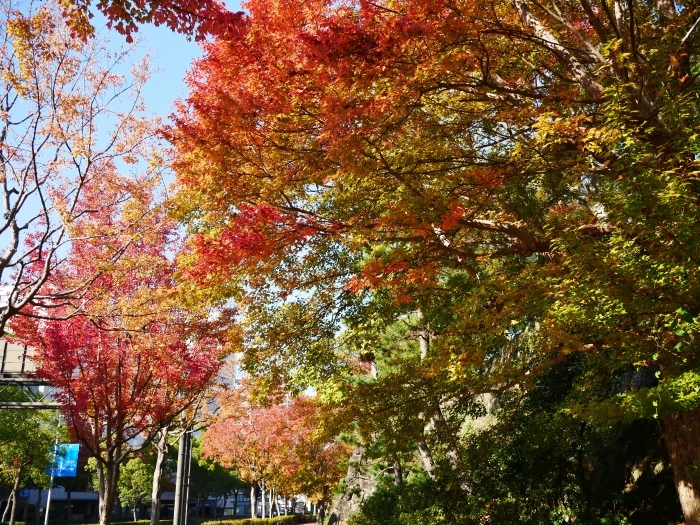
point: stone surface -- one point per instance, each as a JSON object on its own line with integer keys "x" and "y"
{"x": 359, "y": 484}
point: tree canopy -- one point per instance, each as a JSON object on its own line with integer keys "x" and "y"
{"x": 520, "y": 176}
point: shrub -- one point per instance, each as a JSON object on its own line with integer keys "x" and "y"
{"x": 278, "y": 520}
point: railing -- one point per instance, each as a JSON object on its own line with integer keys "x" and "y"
{"x": 17, "y": 370}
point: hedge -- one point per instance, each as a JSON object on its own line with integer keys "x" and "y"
{"x": 278, "y": 520}
{"x": 142, "y": 522}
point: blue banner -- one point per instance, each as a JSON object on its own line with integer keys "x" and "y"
{"x": 65, "y": 464}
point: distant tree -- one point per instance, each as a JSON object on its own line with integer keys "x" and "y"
{"x": 208, "y": 478}
{"x": 244, "y": 439}
{"x": 281, "y": 445}
{"x": 135, "y": 484}
{"x": 311, "y": 461}
{"x": 25, "y": 447}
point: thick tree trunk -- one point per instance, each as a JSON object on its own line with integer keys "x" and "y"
{"x": 424, "y": 346}
{"x": 436, "y": 419}
{"x": 107, "y": 476}
{"x": 681, "y": 432}
{"x": 426, "y": 458}
{"x": 162, "y": 448}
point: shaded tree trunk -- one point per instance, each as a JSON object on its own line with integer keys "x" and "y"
{"x": 321, "y": 507}
{"x": 681, "y": 432}
{"x": 7, "y": 508}
{"x": 68, "y": 504}
{"x": 398, "y": 474}
{"x": 162, "y": 447}
{"x": 15, "y": 491}
{"x": 436, "y": 419}
{"x": 107, "y": 476}
{"x": 424, "y": 345}
{"x": 37, "y": 514}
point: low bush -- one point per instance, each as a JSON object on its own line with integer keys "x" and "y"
{"x": 142, "y": 522}
{"x": 278, "y": 520}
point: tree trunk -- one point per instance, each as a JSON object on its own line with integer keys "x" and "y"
{"x": 398, "y": 474}
{"x": 681, "y": 432}
{"x": 107, "y": 475}
{"x": 162, "y": 449}
{"x": 7, "y": 508}
{"x": 15, "y": 491}
{"x": 37, "y": 514}
{"x": 263, "y": 506}
{"x": 270, "y": 496}
{"x": 134, "y": 513}
{"x": 68, "y": 504}
{"x": 436, "y": 419}
{"x": 235, "y": 503}
{"x": 424, "y": 346}
{"x": 253, "y": 498}
{"x": 321, "y": 509}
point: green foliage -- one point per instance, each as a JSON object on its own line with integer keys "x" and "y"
{"x": 135, "y": 482}
{"x": 417, "y": 501}
{"x": 208, "y": 477}
{"x": 532, "y": 462}
{"x": 25, "y": 442}
{"x": 520, "y": 182}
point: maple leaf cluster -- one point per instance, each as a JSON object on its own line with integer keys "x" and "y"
{"x": 195, "y": 18}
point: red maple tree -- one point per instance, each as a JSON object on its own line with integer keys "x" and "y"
{"x": 136, "y": 357}
{"x": 279, "y": 446}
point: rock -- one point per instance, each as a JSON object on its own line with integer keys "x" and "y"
{"x": 358, "y": 486}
